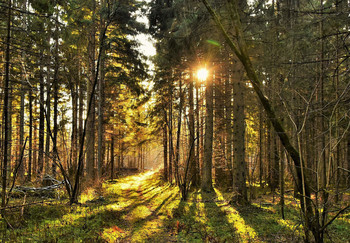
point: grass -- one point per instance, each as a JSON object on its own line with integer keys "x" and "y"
{"x": 142, "y": 208}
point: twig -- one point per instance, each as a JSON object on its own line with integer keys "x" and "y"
{"x": 336, "y": 216}
{"x": 25, "y": 205}
{"x": 16, "y": 171}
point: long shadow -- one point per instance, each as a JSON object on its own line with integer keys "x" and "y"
{"x": 266, "y": 224}
{"x": 89, "y": 225}
{"x": 43, "y": 216}
{"x": 223, "y": 230}
{"x": 197, "y": 220}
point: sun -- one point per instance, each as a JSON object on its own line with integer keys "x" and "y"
{"x": 202, "y": 74}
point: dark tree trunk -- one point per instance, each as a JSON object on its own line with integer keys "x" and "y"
{"x": 90, "y": 129}
{"x": 207, "y": 184}
{"x": 165, "y": 146}
{"x": 239, "y": 165}
{"x": 55, "y": 104}
{"x": 48, "y": 106}
{"x": 178, "y": 136}
{"x": 21, "y": 129}
{"x": 40, "y": 161}
{"x": 112, "y": 158}
{"x": 191, "y": 139}
{"x": 171, "y": 148}
{"x": 6, "y": 111}
{"x": 30, "y": 152}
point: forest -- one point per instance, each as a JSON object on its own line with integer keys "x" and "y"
{"x": 175, "y": 120}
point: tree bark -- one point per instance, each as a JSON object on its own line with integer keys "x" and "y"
{"x": 48, "y": 102}
{"x": 30, "y": 152}
{"x": 171, "y": 148}
{"x": 55, "y": 96}
{"x": 207, "y": 184}
{"x": 101, "y": 98}
{"x": 6, "y": 111}
{"x": 165, "y": 147}
{"x": 112, "y": 157}
{"x": 191, "y": 138}
{"x": 239, "y": 165}
{"x": 178, "y": 135}
{"x": 90, "y": 133}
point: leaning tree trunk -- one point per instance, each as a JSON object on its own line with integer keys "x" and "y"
{"x": 240, "y": 51}
{"x": 90, "y": 131}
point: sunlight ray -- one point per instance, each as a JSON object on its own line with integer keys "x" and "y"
{"x": 244, "y": 231}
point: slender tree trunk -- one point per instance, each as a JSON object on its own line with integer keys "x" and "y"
{"x": 165, "y": 146}
{"x": 48, "y": 105}
{"x": 112, "y": 158}
{"x": 228, "y": 143}
{"x": 6, "y": 111}
{"x": 55, "y": 96}
{"x": 282, "y": 160}
{"x": 178, "y": 137}
{"x": 207, "y": 184}
{"x": 171, "y": 148}
{"x": 21, "y": 128}
{"x": 80, "y": 117}
{"x": 74, "y": 86}
{"x": 191, "y": 139}
{"x": 198, "y": 148}
{"x": 239, "y": 165}
{"x": 30, "y": 152}
{"x": 261, "y": 154}
{"x": 40, "y": 161}
{"x": 101, "y": 98}
{"x": 90, "y": 133}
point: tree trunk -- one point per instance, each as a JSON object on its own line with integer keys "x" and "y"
{"x": 48, "y": 105}
{"x": 21, "y": 128}
{"x": 30, "y": 152}
{"x": 261, "y": 154}
{"x": 40, "y": 161}
{"x": 165, "y": 147}
{"x": 171, "y": 148}
{"x": 239, "y": 165}
{"x": 191, "y": 139}
{"x": 80, "y": 116}
{"x": 198, "y": 147}
{"x": 112, "y": 157}
{"x": 55, "y": 96}
{"x": 282, "y": 160}
{"x": 228, "y": 143}
{"x": 90, "y": 133}
{"x": 178, "y": 136}
{"x": 207, "y": 184}
{"x": 6, "y": 111}
{"x": 101, "y": 98}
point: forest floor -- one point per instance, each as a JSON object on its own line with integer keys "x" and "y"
{"x": 142, "y": 208}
